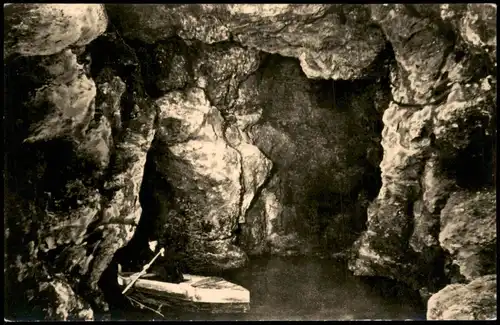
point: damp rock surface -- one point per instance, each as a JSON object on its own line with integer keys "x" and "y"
{"x": 438, "y": 122}
{"x": 230, "y": 130}
{"x": 73, "y": 201}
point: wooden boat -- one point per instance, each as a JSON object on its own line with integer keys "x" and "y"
{"x": 197, "y": 293}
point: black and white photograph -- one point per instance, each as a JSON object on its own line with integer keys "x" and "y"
{"x": 250, "y": 162}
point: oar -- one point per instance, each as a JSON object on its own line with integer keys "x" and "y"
{"x": 144, "y": 270}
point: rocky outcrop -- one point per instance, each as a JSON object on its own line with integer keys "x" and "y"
{"x": 202, "y": 157}
{"x": 46, "y": 29}
{"x": 438, "y": 135}
{"x": 207, "y": 126}
{"x": 323, "y": 37}
{"x": 69, "y": 95}
{"x": 468, "y": 232}
{"x": 475, "y": 23}
{"x": 73, "y": 199}
{"x": 231, "y": 110}
{"x": 63, "y": 303}
{"x": 474, "y": 301}
{"x": 214, "y": 173}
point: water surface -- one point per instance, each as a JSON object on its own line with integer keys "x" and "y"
{"x": 309, "y": 289}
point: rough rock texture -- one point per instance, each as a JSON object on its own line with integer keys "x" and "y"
{"x": 214, "y": 178}
{"x": 46, "y": 29}
{"x": 69, "y": 95}
{"x": 474, "y": 301}
{"x": 63, "y": 303}
{"x": 475, "y": 23}
{"x": 73, "y": 177}
{"x": 206, "y": 126}
{"x": 323, "y": 37}
{"x": 228, "y": 109}
{"x": 468, "y": 232}
{"x": 438, "y": 136}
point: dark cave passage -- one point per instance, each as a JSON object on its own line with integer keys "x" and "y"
{"x": 337, "y": 96}
{"x": 333, "y": 218}
{"x": 323, "y": 137}
{"x": 154, "y": 193}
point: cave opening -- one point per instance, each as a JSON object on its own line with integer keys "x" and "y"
{"x": 154, "y": 190}
{"x": 333, "y": 218}
{"x": 328, "y": 167}
{"x": 323, "y": 137}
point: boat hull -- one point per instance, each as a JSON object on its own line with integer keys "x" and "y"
{"x": 195, "y": 294}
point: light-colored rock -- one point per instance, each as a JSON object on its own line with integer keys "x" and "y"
{"x": 112, "y": 92}
{"x": 64, "y": 304}
{"x": 478, "y": 26}
{"x": 93, "y": 209}
{"x": 46, "y": 29}
{"x": 98, "y": 143}
{"x": 255, "y": 166}
{"x": 419, "y": 139}
{"x": 468, "y": 108}
{"x": 182, "y": 115}
{"x": 323, "y": 37}
{"x": 474, "y": 301}
{"x": 468, "y": 232}
{"x": 191, "y": 22}
{"x": 68, "y": 99}
{"x": 436, "y": 190}
{"x": 419, "y": 60}
{"x": 223, "y": 68}
{"x": 214, "y": 178}
{"x": 263, "y": 220}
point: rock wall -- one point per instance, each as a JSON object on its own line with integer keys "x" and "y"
{"x": 439, "y": 139}
{"x": 226, "y": 130}
{"x": 474, "y": 301}
{"x": 74, "y": 160}
{"x": 468, "y": 236}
